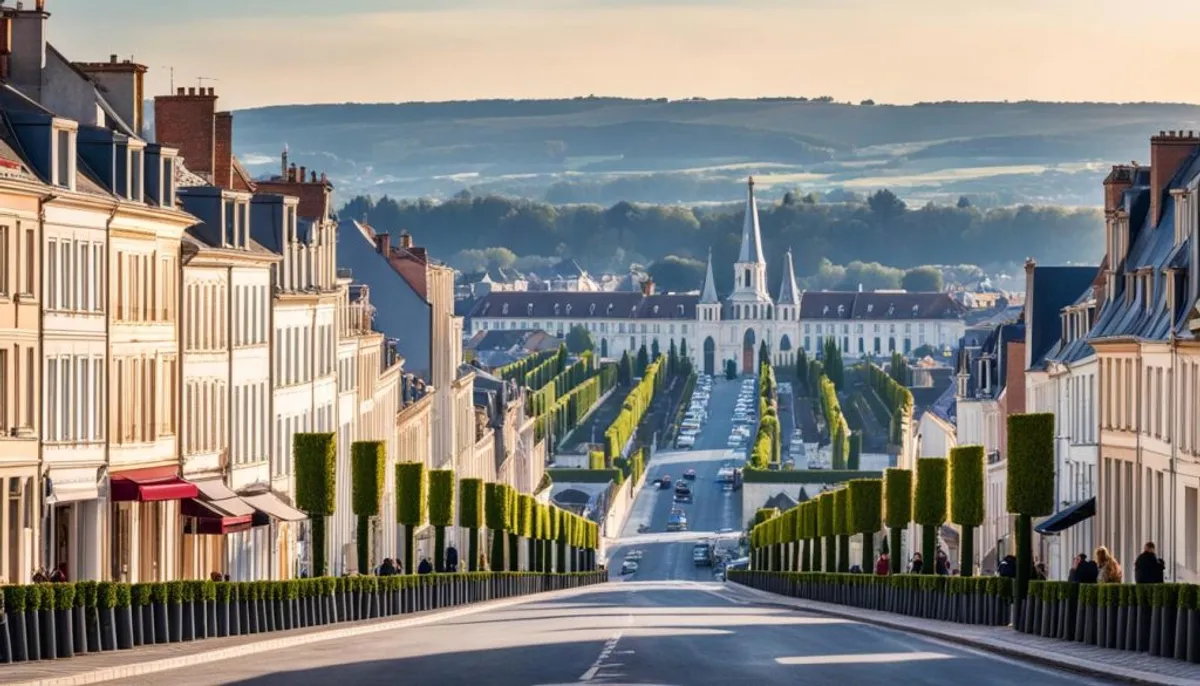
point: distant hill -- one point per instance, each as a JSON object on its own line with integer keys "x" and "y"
{"x": 610, "y": 149}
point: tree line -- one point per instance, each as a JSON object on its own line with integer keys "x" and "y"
{"x": 880, "y": 228}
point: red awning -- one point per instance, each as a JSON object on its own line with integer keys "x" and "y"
{"x": 209, "y": 520}
{"x": 146, "y": 485}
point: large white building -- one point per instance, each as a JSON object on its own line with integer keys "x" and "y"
{"x": 720, "y": 329}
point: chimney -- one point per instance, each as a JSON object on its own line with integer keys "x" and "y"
{"x": 312, "y": 177}
{"x": 648, "y": 286}
{"x": 112, "y": 59}
{"x": 291, "y": 175}
{"x": 283, "y": 174}
{"x": 1168, "y": 150}
{"x": 223, "y": 150}
{"x": 406, "y": 240}
{"x": 1119, "y": 180}
{"x": 188, "y": 122}
{"x": 383, "y": 243}
{"x": 28, "y": 44}
{"x": 303, "y": 171}
{"x": 124, "y": 83}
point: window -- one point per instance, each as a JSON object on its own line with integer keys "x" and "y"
{"x": 53, "y": 401}
{"x": 5, "y": 423}
{"x": 168, "y": 182}
{"x": 4, "y": 260}
{"x": 52, "y": 275}
{"x": 64, "y": 157}
{"x": 67, "y": 288}
{"x": 135, "y": 175}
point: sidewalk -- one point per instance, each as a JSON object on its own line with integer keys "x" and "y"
{"x": 124, "y": 664}
{"x": 1117, "y": 665}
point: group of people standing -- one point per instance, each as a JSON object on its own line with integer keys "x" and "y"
{"x": 1148, "y": 568}
{"x": 391, "y": 567}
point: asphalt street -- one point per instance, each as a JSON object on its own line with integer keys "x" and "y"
{"x": 712, "y": 508}
{"x": 630, "y": 633}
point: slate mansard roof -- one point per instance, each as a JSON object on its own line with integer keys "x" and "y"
{"x": 850, "y": 305}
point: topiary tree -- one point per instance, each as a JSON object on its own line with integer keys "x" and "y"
{"x": 315, "y": 456}
{"x": 470, "y": 516}
{"x": 643, "y": 361}
{"x": 825, "y": 529}
{"x": 864, "y": 505}
{"x": 412, "y": 497}
{"x": 496, "y": 508}
{"x": 513, "y": 528}
{"x": 929, "y": 507}
{"x": 897, "y": 486}
{"x": 554, "y": 523}
{"x": 966, "y": 500}
{"x": 441, "y": 512}
{"x": 367, "y": 464}
{"x": 1030, "y": 489}
{"x": 855, "y": 458}
{"x": 526, "y": 525}
{"x": 841, "y": 527}
{"x": 811, "y": 561}
{"x": 562, "y": 535}
{"x": 839, "y": 445}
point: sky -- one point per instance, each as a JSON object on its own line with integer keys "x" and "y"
{"x": 270, "y": 52}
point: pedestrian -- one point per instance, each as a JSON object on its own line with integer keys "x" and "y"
{"x": 59, "y": 575}
{"x": 215, "y": 576}
{"x": 1008, "y": 567}
{"x": 1039, "y": 571}
{"x": 942, "y": 563}
{"x": 1110, "y": 569}
{"x": 1086, "y": 571}
{"x": 855, "y": 569}
{"x": 882, "y": 566}
{"x": 1148, "y": 568}
{"x": 39, "y": 576}
{"x": 1073, "y": 575}
{"x": 387, "y": 567}
{"x": 424, "y": 567}
{"x": 451, "y": 559}
{"x": 916, "y": 564}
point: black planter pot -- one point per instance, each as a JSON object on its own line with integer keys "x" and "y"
{"x": 1131, "y": 629}
{"x": 79, "y": 629}
{"x": 145, "y": 618}
{"x": 1150, "y": 621}
{"x": 187, "y": 621}
{"x": 161, "y": 634}
{"x": 64, "y": 623}
{"x": 1089, "y": 625}
{"x": 6, "y": 652}
{"x": 1193, "y": 636}
{"x": 1118, "y": 641}
{"x": 49, "y": 635}
{"x": 175, "y": 622}
{"x": 1104, "y": 627}
{"x": 17, "y": 638}
{"x": 33, "y": 635}
{"x": 221, "y": 619}
{"x": 123, "y": 617}
{"x": 1166, "y": 630}
{"x": 1181, "y": 634}
{"x": 266, "y": 616}
{"x": 1046, "y": 615}
{"x": 108, "y": 629}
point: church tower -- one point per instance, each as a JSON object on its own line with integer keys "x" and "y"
{"x": 750, "y": 270}
{"x": 709, "y": 307}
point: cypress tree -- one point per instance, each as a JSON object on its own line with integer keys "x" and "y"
{"x": 470, "y": 499}
{"x": 841, "y": 527}
{"x": 441, "y": 512}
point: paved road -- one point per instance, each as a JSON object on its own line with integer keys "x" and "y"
{"x": 712, "y": 509}
{"x": 634, "y": 633}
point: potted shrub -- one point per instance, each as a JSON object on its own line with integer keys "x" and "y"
{"x": 222, "y": 600}
{"x": 1189, "y": 604}
{"x": 865, "y": 513}
{"x": 1184, "y": 600}
{"x": 106, "y": 603}
{"x": 64, "y": 622}
{"x": 35, "y": 618}
{"x": 160, "y": 599}
{"x": 1088, "y": 602}
{"x": 412, "y": 486}
{"x": 144, "y": 614}
{"x": 123, "y": 615}
{"x": 497, "y": 515}
{"x": 841, "y": 529}
{"x": 367, "y": 474}
{"x": 8, "y": 654}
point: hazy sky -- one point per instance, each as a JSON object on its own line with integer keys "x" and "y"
{"x": 281, "y": 51}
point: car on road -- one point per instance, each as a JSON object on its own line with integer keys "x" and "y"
{"x": 702, "y": 555}
{"x": 685, "y": 441}
{"x": 677, "y": 521}
{"x": 690, "y": 474}
{"x": 635, "y": 555}
{"x": 683, "y": 494}
{"x": 628, "y": 567}
{"x": 664, "y": 481}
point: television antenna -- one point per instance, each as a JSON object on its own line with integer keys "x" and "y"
{"x": 201, "y": 79}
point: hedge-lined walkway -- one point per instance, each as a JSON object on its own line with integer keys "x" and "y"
{"x": 1091, "y": 660}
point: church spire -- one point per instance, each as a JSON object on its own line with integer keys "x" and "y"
{"x": 788, "y": 293}
{"x": 708, "y": 295}
{"x": 751, "y": 236}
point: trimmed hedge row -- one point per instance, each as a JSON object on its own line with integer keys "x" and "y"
{"x": 633, "y": 410}
{"x": 898, "y": 399}
{"x": 48, "y": 621}
{"x": 980, "y": 600}
{"x": 805, "y": 476}
{"x": 516, "y": 371}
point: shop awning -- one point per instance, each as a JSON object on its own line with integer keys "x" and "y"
{"x": 153, "y": 484}
{"x": 1067, "y": 517}
{"x": 216, "y": 494}
{"x": 271, "y": 505}
{"x": 209, "y": 519}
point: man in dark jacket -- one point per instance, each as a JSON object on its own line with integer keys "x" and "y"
{"x": 424, "y": 567}
{"x": 1007, "y": 567}
{"x": 451, "y": 559}
{"x": 1086, "y": 571}
{"x": 1149, "y": 567}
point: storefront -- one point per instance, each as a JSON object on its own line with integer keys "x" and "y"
{"x": 145, "y": 516}
{"x": 19, "y": 523}
{"x": 283, "y": 527}
{"x": 209, "y": 521}
{"x": 73, "y": 526}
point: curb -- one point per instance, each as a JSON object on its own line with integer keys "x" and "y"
{"x": 1072, "y": 665}
{"x": 220, "y": 654}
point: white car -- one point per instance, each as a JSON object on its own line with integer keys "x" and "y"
{"x": 685, "y": 441}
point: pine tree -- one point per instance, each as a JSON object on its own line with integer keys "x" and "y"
{"x": 643, "y": 360}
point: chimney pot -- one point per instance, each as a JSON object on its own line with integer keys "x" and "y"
{"x": 191, "y": 90}
{"x": 112, "y": 59}
{"x": 303, "y": 172}
{"x": 313, "y": 176}
{"x": 179, "y": 91}
{"x": 406, "y": 240}
{"x": 323, "y": 178}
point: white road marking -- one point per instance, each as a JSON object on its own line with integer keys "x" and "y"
{"x": 861, "y": 658}
{"x": 604, "y": 653}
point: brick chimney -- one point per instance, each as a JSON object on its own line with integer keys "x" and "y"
{"x": 187, "y": 121}
{"x": 648, "y": 286}
{"x": 1119, "y": 180}
{"x": 1168, "y": 150}
{"x": 383, "y": 243}
{"x": 223, "y": 150}
{"x": 27, "y": 57}
{"x": 406, "y": 241}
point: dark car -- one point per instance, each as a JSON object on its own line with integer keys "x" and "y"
{"x": 683, "y": 493}
{"x": 690, "y": 475}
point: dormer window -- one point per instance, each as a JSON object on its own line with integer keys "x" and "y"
{"x": 529, "y": 310}
{"x": 592, "y": 309}
{"x": 841, "y": 310}
{"x": 870, "y": 307}
{"x": 681, "y": 310}
{"x": 568, "y": 309}
{"x": 555, "y": 309}
{"x": 137, "y": 174}
{"x": 64, "y": 158}
{"x": 656, "y": 309}
{"x": 504, "y": 309}
{"x": 825, "y": 310}
{"x": 891, "y": 310}
{"x": 167, "y": 199}
{"x": 609, "y": 309}
{"x": 915, "y": 310}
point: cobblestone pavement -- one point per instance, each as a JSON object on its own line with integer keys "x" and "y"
{"x": 1123, "y": 665}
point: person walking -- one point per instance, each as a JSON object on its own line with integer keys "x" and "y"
{"x": 1148, "y": 568}
{"x": 425, "y": 567}
{"x": 882, "y": 566}
{"x": 1086, "y": 572}
{"x": 387, "y": 567}
{"x": 1110, "y": 569}
{"x": 1008, "y": 567}
{"x": 451, "y": 559}
{"x": 916, "y": 564}
{"x": 941, "y": 563}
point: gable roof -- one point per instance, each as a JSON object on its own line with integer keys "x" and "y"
{"x": 1050, "y": 290}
